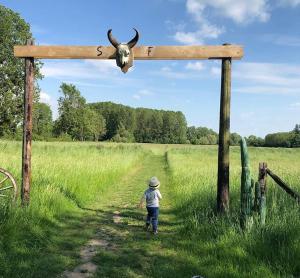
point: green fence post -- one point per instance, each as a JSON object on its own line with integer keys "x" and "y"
{"x": 246, "y": 219}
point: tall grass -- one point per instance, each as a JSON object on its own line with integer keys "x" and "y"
{"x": 272, "y": 251}
{"x": 68, "y": 178}
{"x": 65, "y": 178}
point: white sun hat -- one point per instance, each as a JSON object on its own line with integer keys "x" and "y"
{"x": 154, "y": 182}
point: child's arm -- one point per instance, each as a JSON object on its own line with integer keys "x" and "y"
{"x": 140, "y": 205}
{"x": 159, "y": 195}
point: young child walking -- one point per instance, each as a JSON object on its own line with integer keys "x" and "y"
{"x": 152, "y": 197}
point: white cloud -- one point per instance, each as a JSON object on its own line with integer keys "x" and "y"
{"x": 175, "y": 26}
{"x": 103, "y": 66}
{"x": 292, "y": 3}
{"x": 285, "y": 40}
{"x": 181, "y": 71}
{"x": 215, "y": 71}
{"x": 188, "y": 38}
{"x": 240, "y": 11}
{"x": 267, "y": 90}
{"x": 197, "y": 66}
{"x": 267, "y": 78}
{"x": 295, "y": 105}
{"x": 87, "y": 69}
{"x": 89, "y": 84}
{"x": 205, "y": 31}
{"x": 45, "y": 98}
{"x": 136, "y": 96}
{"x": 142, "y": 93}
{"x": 247, "y": 115}
{"x": 37, "y": 29}
{"x": 170, "y": 73}
{"x": 145, "y": 92}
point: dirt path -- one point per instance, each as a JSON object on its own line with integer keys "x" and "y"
{"x": 120, "y": 245}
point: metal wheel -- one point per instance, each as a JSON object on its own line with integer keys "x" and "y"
{"x": 8, "y": 186}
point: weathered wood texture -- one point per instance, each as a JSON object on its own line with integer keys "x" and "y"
{"x": 140, "y": 53}
{"x": 224, "y": 132}
{"x": 27, "y": 128}
{"x": 284, "y": 186}
{"x": 256, "y": 197}
{"x": 246, "y": 219}
{"x": 262, "y": 180}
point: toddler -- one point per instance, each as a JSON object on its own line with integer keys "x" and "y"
{"x": 152, "y": 197}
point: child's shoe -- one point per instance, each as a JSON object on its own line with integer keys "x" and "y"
{"x": 155, "y": 232}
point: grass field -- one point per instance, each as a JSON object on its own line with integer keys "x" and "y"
{"x": 77, "y": 187}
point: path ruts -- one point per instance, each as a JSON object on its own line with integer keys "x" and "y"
{"x": 120, "y": 246}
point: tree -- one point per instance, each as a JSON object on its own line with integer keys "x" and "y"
{"x": 71, "y": 109}
{"x": 174, "y": 128}
{"x": 13, "y": 31}
{"x": 42, "y": 120}
{"x": 297, "y": 129}
{"x": 115, "y": 115}
{"x": 191, "y": 134}
{"x": 123, "y": 135}
{"x": 93, "y": 127}
{"x": 202, "y": 136}
{"x": 76, "y": 118}
{"x": 280, "y": 139}
{"x": 295, "y": 142}
{"x": 235, "y": 139}
{"x": 255, "y": 141}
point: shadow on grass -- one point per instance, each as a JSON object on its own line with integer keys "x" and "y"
{"x": 224, "y": 250}
{"x": 192, "y": 240}
{"x": 198, "y": 242}
{"x": 39, "y": 247}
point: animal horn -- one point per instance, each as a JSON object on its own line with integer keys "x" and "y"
{"x": 112, "y": 40}
{"x": 133, "y": 42}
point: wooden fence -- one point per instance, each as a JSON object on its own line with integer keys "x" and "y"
{"x": 258, "y": 204}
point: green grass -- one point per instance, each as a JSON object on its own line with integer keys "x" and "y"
{"x": 44, "y": 239}
{"x": 220, "y": 246}
{"x": 77, "y": 187}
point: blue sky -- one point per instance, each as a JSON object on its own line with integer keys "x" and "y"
{"x": 265, "y": 85}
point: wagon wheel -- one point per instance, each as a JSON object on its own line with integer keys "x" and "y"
{"x": 8, "y": 186}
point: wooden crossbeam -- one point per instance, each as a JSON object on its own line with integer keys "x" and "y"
{"x": 140, "y": 53}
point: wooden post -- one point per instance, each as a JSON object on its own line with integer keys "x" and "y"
{"x": 262, "y": 180}
{"x": 224, "y": 138}
{"x": 284, "y": 186}
{"x": 27, "y": 127}
{"x": 257, "y": 196}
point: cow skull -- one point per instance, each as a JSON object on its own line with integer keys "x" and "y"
{"x": 124, "y": 53}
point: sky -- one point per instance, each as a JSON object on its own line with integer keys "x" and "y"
{"x": 265, "y": 83}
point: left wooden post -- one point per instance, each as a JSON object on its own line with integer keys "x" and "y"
{"x": 224, "y": 138}
{"x": 27, "y": 127}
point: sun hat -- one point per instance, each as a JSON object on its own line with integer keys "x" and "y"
{"x": 154, "y": 182}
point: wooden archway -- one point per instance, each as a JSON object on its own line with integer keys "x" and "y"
{"x": 224, "y": 52}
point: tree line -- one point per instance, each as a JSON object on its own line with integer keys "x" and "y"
{"x": 107, "y": 121}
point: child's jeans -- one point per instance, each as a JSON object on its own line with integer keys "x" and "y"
{"x": 152, "y": 216}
